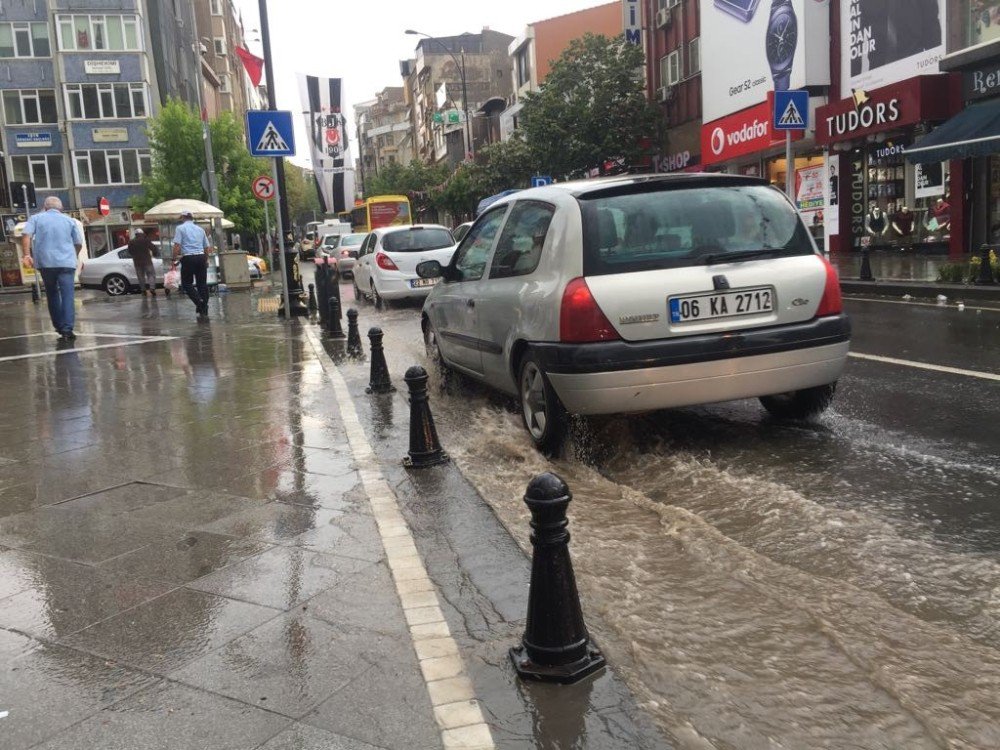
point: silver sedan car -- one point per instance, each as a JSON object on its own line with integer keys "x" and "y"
{"x": 114, "y": 271}
{"x": 344, "y": 249}
{"x": 633, "y": 294}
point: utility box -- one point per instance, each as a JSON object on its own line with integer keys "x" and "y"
{"x": 235, "y": 270}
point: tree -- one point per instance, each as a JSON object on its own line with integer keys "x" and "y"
{"x": 416, "y": 180}
{"x": 591, "y": 108}
{"x": 300, "y": 192}
{"x": 178, "y": 161}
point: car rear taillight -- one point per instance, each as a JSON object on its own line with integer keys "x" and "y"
{"x": 345, "y": 254}
{"x": 580, "y": 318}
{"x": 384, "y": 262}
{"x": 832, "y": 303}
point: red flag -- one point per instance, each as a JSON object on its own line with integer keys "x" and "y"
{"x": 254, "y": 65}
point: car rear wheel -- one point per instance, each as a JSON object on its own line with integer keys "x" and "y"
{"x": 377, "y": 298}
{"x": 357, "y": 292}
{"x": 804, "y": 404}
{"x": 116, "y": 285}
{"x": 543, "y": 414}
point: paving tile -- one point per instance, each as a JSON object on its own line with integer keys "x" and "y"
{"x": 373, "y": 586}
{"x": 350, "y": 535}
{"x": 280, "y": 577}
{"x": 124, "y": 499}
{"x": 305, "y": 737}
{"x": 62, "y": 597}
{"x": 13, "y": 645}
{"x": 51, "y": 687}
{"x": 290, "y": 664}
{"x": 172, "y": 630}
{"x": 183, "y": 556}
{"x": 277, "y": 523}
{"x": 387, "y": 706}
{"x": 190, "y": 510}
{"x": 169, "y": 716}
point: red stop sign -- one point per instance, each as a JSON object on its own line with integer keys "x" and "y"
{"x": 104, "y": 206}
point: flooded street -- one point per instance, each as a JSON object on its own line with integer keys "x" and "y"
{"x": 762, "y": 585}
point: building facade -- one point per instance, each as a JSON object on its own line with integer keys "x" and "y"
{"x": 542, "y": 42}
{"x": 385, "y": 132}
{"x": 434, "y": 92}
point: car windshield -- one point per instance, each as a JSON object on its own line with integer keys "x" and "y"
{"x": 352, "y": 240}
{"x": 416, "y": 239}
{"x": 648, "y": 229}
{"x": 331, "y": 240}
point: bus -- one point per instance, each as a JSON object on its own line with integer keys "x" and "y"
{"x": 381, "y": 211}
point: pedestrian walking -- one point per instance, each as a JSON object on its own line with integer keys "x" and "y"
{"x": 140, "y": 247}
{"x": 191, "y": 245}
{"x": 55, "y": 239}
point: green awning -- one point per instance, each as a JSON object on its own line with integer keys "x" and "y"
{"x": 975, "y": 131}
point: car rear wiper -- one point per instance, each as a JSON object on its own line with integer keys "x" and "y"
{"x": 711, "y": 260}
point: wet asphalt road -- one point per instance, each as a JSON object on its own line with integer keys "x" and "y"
{"x": 749, "y": 572}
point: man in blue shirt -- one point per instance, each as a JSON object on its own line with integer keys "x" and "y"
{"x": 191, "y": 245}
{"x": 56, "y": 240}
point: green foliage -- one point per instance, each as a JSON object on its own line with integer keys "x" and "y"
{"x": 416, "y": 180}
{"x": 958, "y": 273}
{"x": 300, "y": 192}
{"x": 178, "y": 160}
{"x": 953, "y": 273}
{"x": 592, "y": 107}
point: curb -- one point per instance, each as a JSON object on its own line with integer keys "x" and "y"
{"x": 929, "y": 289}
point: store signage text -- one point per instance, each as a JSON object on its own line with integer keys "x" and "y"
{"x": 890, "y": 149}
{"x": 982, "y": 83}
{"x": 674, "y": 162}
{"x": 862, "y": 118}
{"x": 102, "y": 67}
{"x": 632, "y": 21}
{"x": 109, "y": 135}
{"x": 33, "y": 140}
{"x": 739, "y": 134}
{"x": 857, "y": 197}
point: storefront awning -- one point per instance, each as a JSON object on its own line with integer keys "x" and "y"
{"x": 975, "y": 131}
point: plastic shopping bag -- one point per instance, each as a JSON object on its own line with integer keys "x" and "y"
{"x": 172, "y": 278}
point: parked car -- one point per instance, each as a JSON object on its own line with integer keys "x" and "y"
{"x": 386, "y": 268}
{"x": 344, "y": 248}
{"x": 638, "y": 293}
{"x": 461, "y": 230}
{"x": 114, "y": 272}
{"x": 257, "y": 266}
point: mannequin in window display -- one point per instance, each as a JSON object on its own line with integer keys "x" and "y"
{"x": 902, "y": 227}
{"x": 876, "y": 223}
{"x": 940, "y": 217}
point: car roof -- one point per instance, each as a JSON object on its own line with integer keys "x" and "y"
{"x": 623, "y": 183}
{"x": 403, "y": 227}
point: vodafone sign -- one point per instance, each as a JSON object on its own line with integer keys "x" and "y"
{"x": 740, "y": 134}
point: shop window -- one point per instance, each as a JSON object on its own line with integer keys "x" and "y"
{"x": 29, "y": 106}
{"x": 45, "y": 170}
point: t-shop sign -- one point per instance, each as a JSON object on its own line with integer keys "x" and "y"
{"x": 740, "y": 134}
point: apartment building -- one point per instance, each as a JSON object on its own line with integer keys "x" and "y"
{"x": 385, "y": 132}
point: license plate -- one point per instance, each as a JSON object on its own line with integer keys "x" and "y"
{"x": 697, "y": 307}
{"x": 415, "y": 283}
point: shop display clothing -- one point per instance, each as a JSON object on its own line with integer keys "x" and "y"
{"x": 902, "y": 222}
{"x": 876, "y": 222}
{"x": 941, "y": 211}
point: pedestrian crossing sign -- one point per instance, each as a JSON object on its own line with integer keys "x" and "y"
{"x": 791, "y": 110}
{"x": 270, "y": 133}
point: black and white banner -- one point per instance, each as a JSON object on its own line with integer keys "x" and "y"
{"x": 329, "y": 149}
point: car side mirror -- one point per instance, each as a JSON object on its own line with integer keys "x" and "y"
{"x": 430, "y": 269}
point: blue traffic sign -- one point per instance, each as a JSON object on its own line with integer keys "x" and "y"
{"x": 541, "y": 180}
{"x": 270, "y": 133}
{"x": 791, "y": 110}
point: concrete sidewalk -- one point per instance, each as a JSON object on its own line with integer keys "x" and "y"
{"x": 200, "y": 548}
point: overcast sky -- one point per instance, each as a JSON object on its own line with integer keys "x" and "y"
{"x": 363, "y": 42}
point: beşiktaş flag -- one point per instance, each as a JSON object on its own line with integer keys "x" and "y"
{"x": 326, "y": 124}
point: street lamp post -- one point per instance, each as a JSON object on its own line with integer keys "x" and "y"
{"x": 471, "y": 145}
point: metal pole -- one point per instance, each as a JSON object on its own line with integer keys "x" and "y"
{"x": 206, "y": 137}
{"x": 789, "y": 167}
{"x": 107, "y": 235}
{"x": 267, "y": 240}
{"x": 27, "y": 215}
{"x": 471, "y": 150}
{"x": 281, "y": 254}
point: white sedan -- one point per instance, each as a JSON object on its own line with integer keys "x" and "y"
{"x": 386, "y": 268}
{"x": 114, "y": 272}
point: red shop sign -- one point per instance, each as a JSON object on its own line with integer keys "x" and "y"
{"x": 887, "y": 108}
{"x": 740, "y": 134}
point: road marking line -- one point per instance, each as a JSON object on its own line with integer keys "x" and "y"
{"x": 57, "y": 352}
{"x": 921, "y": 304}
{"x": 925, "y": 366}
{"x": 452, "y": 696}
{"x": 53, "y": 334}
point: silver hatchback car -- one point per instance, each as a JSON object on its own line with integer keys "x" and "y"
{"x": 639, "y": 293}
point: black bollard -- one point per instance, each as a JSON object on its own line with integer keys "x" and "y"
{"x": 425, "y": 448}
{"x": 35, "y": 296}
{"x": 333, "y": 319}
{"x": 379, "y": 381}
{"x": 354, "y": 347}
{"x": 312, "y": 298}
{"x": 322, "y": 294}
{"x": 985, "y": 270}
{"x": 556, "y": 646}
{"x": 866, "y": 265}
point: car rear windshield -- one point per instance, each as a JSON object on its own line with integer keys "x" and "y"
{"x": 352, "y": 240}
{"x": 650, "y": 229}
{"x": 416, "y": 239}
